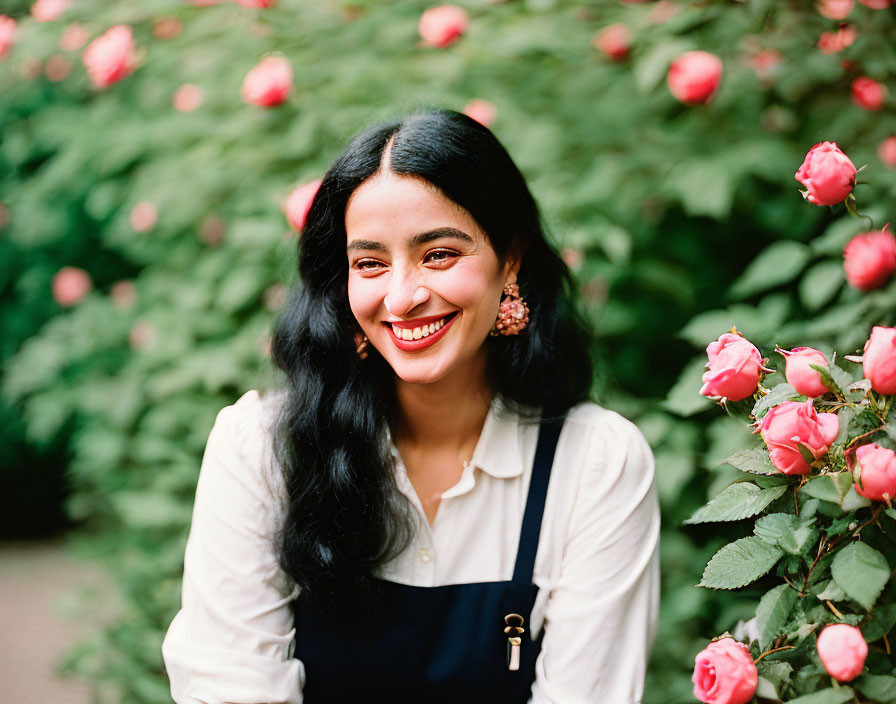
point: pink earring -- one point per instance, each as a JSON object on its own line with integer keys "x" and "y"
{"x": 361, "y": 344}
{"x": 513, "y": 313}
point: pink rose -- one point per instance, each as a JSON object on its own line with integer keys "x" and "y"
{"x": 74, "y": 36}
{"x": 7, "y": 34}
{"x": 734, "y": 366}
{"x": 842, "y": 650}
{"x": 868, "y": 93}
{"x": 298, "y": 203}
{"x": 877, "y": 466}
{"x": 827, "y": 173}
{"x": 260, "y": 4}
{"x": 694, "y": 76}
{"x": 879, "y": 361}
{"x": 724, "y": 673}
{"x": 482, "y": 111}
{"x": 144, "y": 216}
{"x": 832, "y": 42}
{"x": 869, "y": 259}
{"x": 876, "y": 4}
{"x": 187, "y": 98}
{"x": 49, "y": 10}
{"x": 110, "y": 57}
{"x": 269, "y": 83}
{"x": 70, "y": 285}
{"x": 886, "y": 152}
{"x": 791, "y": 424}
{"x": 441, "y": 26}
{"x": 614, "y": 41}
{"x": 834, "y": 9}
{"x": 800, "y": 375}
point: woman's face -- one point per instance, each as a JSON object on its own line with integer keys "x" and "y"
{"x": 424, "y": 282}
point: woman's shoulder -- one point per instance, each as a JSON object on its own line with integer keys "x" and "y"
{"x": 599, "y": 421}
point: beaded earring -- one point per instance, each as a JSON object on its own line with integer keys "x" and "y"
{"x": 513, "y": 313}
{"x": 361, "y": 344}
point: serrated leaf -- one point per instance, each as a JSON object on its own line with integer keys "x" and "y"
{"x": 740, "y": 500}
{"x": 825, "y": 696}
{"x": 829, "y": 590}
{"x": 777, "y": 264}
{"x": 864, "y": 422}
{"x": 823, "y": 487}
{"x": 778, "y": 395}
{"x": 878, "y": 688}
{"x": 844, "y": 416}
{"x": 854, "y": 500}
{"x": 772, "y": 612}
{"x": 740, "y": 563}
{"x": 755, "y": 461}
{"x": 793, "y": 534}
{"x": 766, "y": 690}
{"x": 883, "y": 618}
{"x": 861, "y": 571}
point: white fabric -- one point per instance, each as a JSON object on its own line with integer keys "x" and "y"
{"x": 597, "y": 564}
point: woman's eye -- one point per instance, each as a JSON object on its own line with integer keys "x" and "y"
{"x": 368, "y": 264}
{"x": 440, "y": 255}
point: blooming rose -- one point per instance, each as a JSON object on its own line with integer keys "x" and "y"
{"x": 734, "y": 367}
{"x": 800, "y": 375}
{"x": 724, "y": 673}
{"x": 877, "y": 466}
{"x": 7, "y": 33}
{"x": 70, "y": 285}
{"x": 869, "y": 259}
{"x": 187, "y": 98}
{"x": 868, "y": 93}
{"x": 791, "y": 424}
{"x": 49, "y": 10}
{"x": 269, "y": 83}
{"x": 842, "y": 650}
{"x": 827, "y": 173}
{"x": 879, "y": 361}
{"x": 110, "y": 57}
{"x": 613, "y": 41}
{"x": 886, "y": 152}
{"x": 441, "y": 26}
{"x": 834, "y": 9}
{"x": 694, "y": 76}
{"x": 298, "y": 203}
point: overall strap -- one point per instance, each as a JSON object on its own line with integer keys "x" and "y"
{"x": 548, "y": 434}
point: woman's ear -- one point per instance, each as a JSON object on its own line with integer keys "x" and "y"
{"x": 512, "y": 266}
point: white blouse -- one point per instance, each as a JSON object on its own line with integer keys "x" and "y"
{"x": 597, "y": 564}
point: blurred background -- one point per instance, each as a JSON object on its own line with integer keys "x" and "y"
{"x": 148, "y": 214}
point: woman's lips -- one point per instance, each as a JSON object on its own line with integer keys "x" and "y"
{"x": 423, "y": 342}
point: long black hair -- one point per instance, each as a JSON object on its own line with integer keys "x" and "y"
{"x": 345, "y": 513}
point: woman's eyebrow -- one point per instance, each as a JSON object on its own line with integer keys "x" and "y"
{"x": 415, "y": 241}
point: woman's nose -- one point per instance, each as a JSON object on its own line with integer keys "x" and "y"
{"x": 404, "y": 296}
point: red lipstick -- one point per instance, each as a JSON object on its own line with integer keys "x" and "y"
{"x": 423, "y": 342}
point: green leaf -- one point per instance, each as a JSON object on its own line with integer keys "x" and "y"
{"x": 779, "y": 394}
{"x": 740, "y": 563}
{"x": 766, "y": 690}
{"x": 755, "y": 461}
{"x": 820, "y": 284}
{"x": 878, "y": 688}
{"x": 704, "y": 186}
{"x": 854, "y": 500}
{"x": 823, "y": 487}
{"x": 740, "y": 500}
{"x": 772, "y": 612}
{"x": 883, "y": 618}
{"x": 825, "y": 696}
{"x": 777, "y": 264}
{"x": 684, "y": 397}
{"x": 837, "y": 380}
{"x": 829, "y": 590}
{"x": 863, "y": 423}
{"x": 793, "y": 534}
{"x": 861, "y": 571}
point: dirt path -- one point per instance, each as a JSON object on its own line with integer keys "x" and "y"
{"x": 37, "y": 581}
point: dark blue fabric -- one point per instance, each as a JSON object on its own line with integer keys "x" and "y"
{"x": 435, "y": 644}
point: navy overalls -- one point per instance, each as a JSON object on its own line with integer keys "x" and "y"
{"x": 436, "y": 644}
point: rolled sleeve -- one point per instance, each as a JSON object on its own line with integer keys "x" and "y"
{"x": 601, "y": 615}
{"x": 231, "y": 641}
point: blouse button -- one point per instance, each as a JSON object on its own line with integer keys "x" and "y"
{"x": 424, "y": 554}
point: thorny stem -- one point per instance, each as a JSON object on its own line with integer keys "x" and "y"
{"x": 834, "y": 609}
{"x": 773, "y": 650}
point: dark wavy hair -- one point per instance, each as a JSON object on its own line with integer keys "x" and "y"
{"x": 345, "y": 513}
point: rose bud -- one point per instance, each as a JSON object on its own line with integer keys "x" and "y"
{"x": 868, "y": 93}
{"x": 879, "y": 360}
{"x": 7, "y": 34}
{"x": 613, "y": 41}
{"x": 110, "y": 57}
{"x": 869, "y": 259}
{"x": 886, "y": 152}
{"x": 298, "y": 203}
{"x": 834, "y": 9}
{"x": 791, "y": 424}
{"x": 49, "y": 10}
{"x": 441, "y": 26}
{"x": 734, "y": 367}
{"x": 827, "y": 173}
{"x": 70, "y": 285}
{"x": 799, "y": 373}
{"x": 842, "y": 650}
{"x": 877, "y": 472}
{"x": 482, "y": 111}
{"x": 269, "y": 83}
{"x": 724, "y": 673}
{"x": 694, "y": 76}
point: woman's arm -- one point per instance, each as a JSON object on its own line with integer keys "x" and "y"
{"x": 231, "y": 640}
{"x": 601, "y": 616}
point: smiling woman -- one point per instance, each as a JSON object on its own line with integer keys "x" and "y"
{"x": 430, "y": 509}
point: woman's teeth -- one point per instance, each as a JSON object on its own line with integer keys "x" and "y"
{"x": 417, "y": 333}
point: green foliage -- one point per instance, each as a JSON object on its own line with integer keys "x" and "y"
{"x": 861, "y": 572}
{"x": 738, "y": 501}
{"x": 740, "y": 563}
